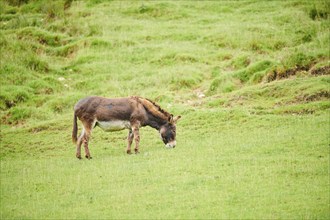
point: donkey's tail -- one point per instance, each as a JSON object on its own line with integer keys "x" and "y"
{"x": 75, "y": 129}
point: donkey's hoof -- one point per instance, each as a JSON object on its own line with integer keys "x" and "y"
{"x": 88, "y": 157}
{"x": 137, "y": 151}
{"x": 129, "y": 152}
{"x": 79, "y": 157}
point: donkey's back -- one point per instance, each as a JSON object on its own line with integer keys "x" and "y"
{"x": 104, "y": 109}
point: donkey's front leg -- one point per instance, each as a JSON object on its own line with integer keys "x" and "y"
{"x": 130, "y": 141}
{"x": 136, "y": 133}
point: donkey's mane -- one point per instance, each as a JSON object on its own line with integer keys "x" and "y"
{"x": 154, "y": 109}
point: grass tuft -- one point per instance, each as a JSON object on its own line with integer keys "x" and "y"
{"x": 12, "y": 95}
{"x": 254, "y": 72}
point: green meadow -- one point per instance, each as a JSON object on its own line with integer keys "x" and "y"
{"x": 250, "y": 79}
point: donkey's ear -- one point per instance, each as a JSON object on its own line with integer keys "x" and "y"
{"x": 170, "y": 118}
{"x": 176, "y": 118}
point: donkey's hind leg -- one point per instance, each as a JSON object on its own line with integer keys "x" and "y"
{"x": 79, "y": 143}
{"x": 87, "y": 134}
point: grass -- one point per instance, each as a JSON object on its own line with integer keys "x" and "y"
{"x": 265, "y": 168}
{"x": 250, "y": 78}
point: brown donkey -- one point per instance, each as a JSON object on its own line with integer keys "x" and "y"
{"x": 120, "y": 113}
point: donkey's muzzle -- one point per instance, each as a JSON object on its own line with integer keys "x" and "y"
{"x": 171, "y": 144}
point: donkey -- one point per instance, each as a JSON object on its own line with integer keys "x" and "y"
{"x": 122, "y": 113}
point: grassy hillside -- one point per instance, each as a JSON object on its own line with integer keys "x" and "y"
{"x": 250, "y": 78}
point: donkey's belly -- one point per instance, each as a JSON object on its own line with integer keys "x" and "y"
{"x": 113, "y": 125}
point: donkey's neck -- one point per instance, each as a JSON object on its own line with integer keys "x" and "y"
{"x": 155, "y": 122}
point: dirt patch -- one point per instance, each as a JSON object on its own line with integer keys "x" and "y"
{"x": 325, "y": 70}
{"x": 306, "y": 98}
{"x": 313, "y": 97}
{"x": 283, "y": 74}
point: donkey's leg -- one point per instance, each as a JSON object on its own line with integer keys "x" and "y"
{"x": 136, "y": 133}
{"x": 130, "y": 141}
{"x": 86, "y": 140}
{"x": 87, "y": 134}
{"x": 79, "y": 142}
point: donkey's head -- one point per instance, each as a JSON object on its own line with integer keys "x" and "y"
{"x": 168, "y": 132}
